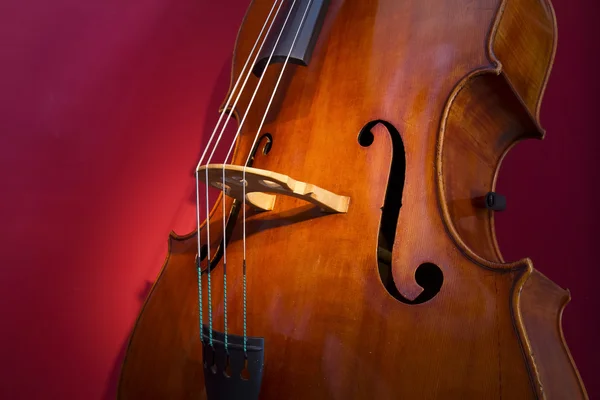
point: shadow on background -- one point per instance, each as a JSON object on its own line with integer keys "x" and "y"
{"x": 216, "y": 99}
{"x": 110, "y": 392}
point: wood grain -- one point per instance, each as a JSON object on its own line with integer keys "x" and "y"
{"x": 453, "y": 79}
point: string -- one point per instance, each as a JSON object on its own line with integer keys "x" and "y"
{"x": 225, "y": 270}
{"x": 253, "y": 144}
{"x": 199, "y": 270}
{"x": 250, "y": 155}
{"x": 223, "y": 187}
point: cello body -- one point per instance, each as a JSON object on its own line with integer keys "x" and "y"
{"x": 407, "y": 108}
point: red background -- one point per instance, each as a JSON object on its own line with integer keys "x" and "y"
{"x": 104, "y": 107}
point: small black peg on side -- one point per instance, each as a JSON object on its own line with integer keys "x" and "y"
{"x": 491, "y": 201}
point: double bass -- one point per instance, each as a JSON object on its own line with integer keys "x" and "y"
{"x": 351, "y": 251}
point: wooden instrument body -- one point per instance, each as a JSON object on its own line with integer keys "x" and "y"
{"x": 459, "y": 82}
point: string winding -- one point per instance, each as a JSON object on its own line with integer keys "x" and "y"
{"x": 244, "y": 264}
{"x": 222, "y": 114}
{"x": 223, "y": 185}
{"x": 240, "y": 126}
{"x": 227, "y": 158}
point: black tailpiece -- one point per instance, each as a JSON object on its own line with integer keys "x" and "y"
{"x": 233, "y": 376}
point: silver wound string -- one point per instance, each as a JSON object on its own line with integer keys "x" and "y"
{"x": 202, "y": 159}
{"x": 262, "y": 122}
{"x": 250, "y": 104}
{"x": 223, "y": 187}
{"x": 241, "y": 124}
{"x": 250, "y": 155}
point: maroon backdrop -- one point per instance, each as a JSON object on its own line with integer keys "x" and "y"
{"x": 104, "y": 108}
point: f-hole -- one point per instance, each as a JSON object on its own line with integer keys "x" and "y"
{"x": 267, "y": 139}
{"x": 429, "y": 276}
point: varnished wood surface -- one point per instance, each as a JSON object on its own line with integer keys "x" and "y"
{"x": 263, "y": 187}
{"x": 446, "y": 76}
{"x": 542, "y": 306}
